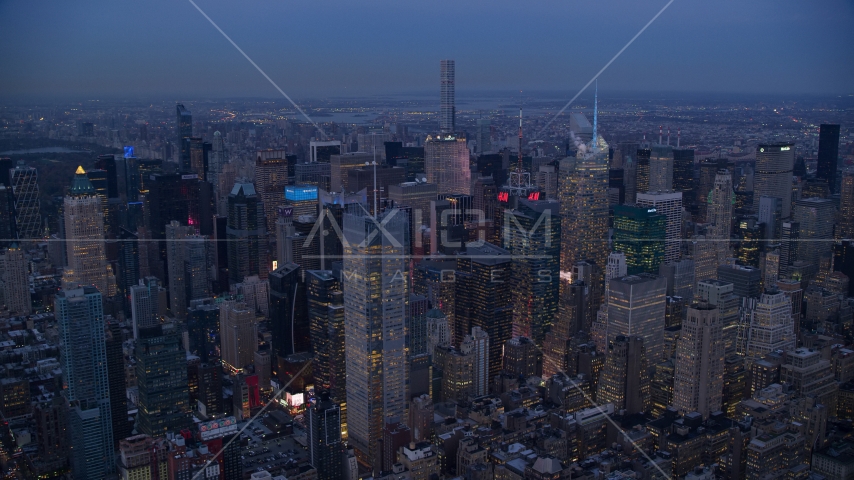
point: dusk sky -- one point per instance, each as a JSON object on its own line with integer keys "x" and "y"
{"x": 160, "y": 48}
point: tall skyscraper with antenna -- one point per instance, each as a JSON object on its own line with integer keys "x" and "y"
{"x": 447, "y": 108}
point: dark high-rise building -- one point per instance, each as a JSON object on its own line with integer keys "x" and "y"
{"x": 246, "y": 235}
{"x": 289, "y": 320}
{"x": 325, "y": 446}
{"x": 128, "y": 271}
{"x": 203, "y": 329}
{"x": 170, "y": 197}
{"x": 790, "y": 238}
{"x": 320, "y": 286}
{"x": 7, "y": 217}
{"x": 683, "y": 174}
{"x": 480, "y": 301}
{"x": 534, "y": 242}
{"x": 122, "y": 427}
{"x": 642, "y": 174}
{"x": 746, "y": 280}
{"x": 639, "y": 233}
{"x": 85, "y": 372}
{"x": 161, "y": 373}
{"x": 107, "y": 163}
{"x": 624, "y": 380}
{"x": 210, "y": 387}
{"x": 828, "y": 154}
{"x": 183, "y": 129}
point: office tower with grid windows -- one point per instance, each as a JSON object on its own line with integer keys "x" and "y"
{"x": 375, "y": 285}
{"x": 16, "y": 282}
{"x": 183, "y": 130}
{"x": 447, "y": 108}
{"x": 271, "y": 178}
{"x": 683, "y": 174}
{"x": 698, "y": 385}
{"x": 483, "y": 295}
{"x": 639, "y": 234}
{"x": 816, "y": 217}
{"x": 532, "y": 236}
{"x": 84, "y": 235}
{"x": 325, "y": 445}
{"x": 668, "y": 204}
{"x": 245, "y": 232}
{"x": 238, "y": 335}
{"x": 446, "y": 163}
{"x": 770, "y": 325}
{"x": 83, "y": 355}
{"x": 773, "y": 175}
{"x": 25, "y": 193}
{"x": 161, "y": 373}
{"x": 624, "y": 380}
{"x": 661, "y": 168}
{"x": 719, "y": 214}
{"x": 636, "y": 307}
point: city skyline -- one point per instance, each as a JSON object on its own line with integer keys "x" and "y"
{"x": 676, "y": 54}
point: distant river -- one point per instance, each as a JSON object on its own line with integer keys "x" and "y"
{"x": 41, "y": 150}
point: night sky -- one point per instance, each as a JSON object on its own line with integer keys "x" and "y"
{"x": 160, "y": 48}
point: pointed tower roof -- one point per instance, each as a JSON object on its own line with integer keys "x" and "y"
{"x": 81, "y": 184}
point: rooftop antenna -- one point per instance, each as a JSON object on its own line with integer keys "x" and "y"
{"x": 660, "y": 133}
{"x": 678, "y": 135}
{"x": 520, "y": 180}
{"x": 596, "y": 116}
{"x": 374, "y": 163}
{"x": 668, "y": 136}
{"x": 519, "y": 166}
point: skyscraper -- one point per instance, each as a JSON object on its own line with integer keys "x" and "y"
{"x": 25, "y": 191}
{"x": 816, "y": 217}
{"x": 447, "y": 109}
{"x": 375, "y": 293}
{"x": 668, "y": 204}
{"x": 661, "y": 168}
{"x": 699, "y": 362}
{"x": 483, "y": 295}
{"x": 176, "y": 236}
{"x": 532, "y": 235}
{"x": 583, "y": 193}
{"x": 639, "y": 234}
{"x": 116, "y": 377}
{"x": 245, "y": 231}
{"x": 183, "y": 130}
{"x": 720, "y": 294}
{"x": 446, "y": 163}
{"x": 271, "y": 178}
{"x": 84, "y": 236}
{"x": 217, "y": 159}
{"x": 683, "y": 174}
{"x": 828, "y": 154}
{"x": 770, "y": 325}
{"x": 325, "y": 446}
{"x": 636, "y": 307}
{"x": 145, "y": 300}
{"x": 719, "y": 214}
{"x": 161, "y": 373}
{"x": 289, "y": 318}
{"x": 773, "y": 175}
{"x": 16, "y": 282}
{"x": 477, "y": 346}
{"x": 83, "y": 355}
{"x": 845, "y": 227}
{"x": 238, "y": 334}
{"x": 170, "y": 197}
{"x": 484, "y": 135}
{"x": 624, "y": 380}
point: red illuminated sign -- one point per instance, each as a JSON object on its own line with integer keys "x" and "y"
{"x": 503, "y": 197}
{"x": 534, "y": 196}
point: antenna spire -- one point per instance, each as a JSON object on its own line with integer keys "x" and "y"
{"x": 519, "y": 166}
{"x": 596, "y": 116}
